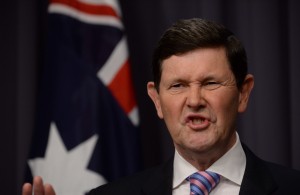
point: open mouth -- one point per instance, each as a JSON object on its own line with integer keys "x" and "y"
{"x": 197, "y": 122}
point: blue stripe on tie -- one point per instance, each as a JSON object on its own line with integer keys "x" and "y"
{"x": 196, "y": 189}
{"x": 215, "y": 176}
{"x": 207, "y": 185}
{"x": 202, "y": 180}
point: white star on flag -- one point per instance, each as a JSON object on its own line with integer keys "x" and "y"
{"x": 67, "y": 170}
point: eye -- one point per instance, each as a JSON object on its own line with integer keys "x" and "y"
{"x": 177, "y": 85}
{"x": 211, "y": 85}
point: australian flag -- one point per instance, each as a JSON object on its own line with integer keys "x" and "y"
{"x": 87, "y": 124}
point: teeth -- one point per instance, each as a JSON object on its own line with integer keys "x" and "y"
{"x": 197, "y": 121}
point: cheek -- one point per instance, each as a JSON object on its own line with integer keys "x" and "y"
{"x": 171, "y": 108}
{"x": 225, "y": 107}
{"x": 166, "y": 111}
{"x": 230, "y": 117}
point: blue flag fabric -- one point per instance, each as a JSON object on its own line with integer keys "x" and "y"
{"x": 86, "y": 132}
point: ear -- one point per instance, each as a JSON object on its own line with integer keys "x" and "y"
{"x": 245, "y": 92}
{"x": 153, "y": 94}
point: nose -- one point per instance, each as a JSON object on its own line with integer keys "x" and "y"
{"x": 195, "y": 98}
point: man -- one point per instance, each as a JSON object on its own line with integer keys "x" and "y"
{"x": 200, "y": 85}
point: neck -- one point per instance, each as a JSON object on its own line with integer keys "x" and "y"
{"x": 202, "y": 160}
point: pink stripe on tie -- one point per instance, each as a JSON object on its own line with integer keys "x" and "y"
{"x": 210, "y": 179}
{"x": 203, "y": 182}
{"x": 200, "y": 185}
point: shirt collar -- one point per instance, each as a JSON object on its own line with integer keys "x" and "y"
{"x": 231, "y": 165}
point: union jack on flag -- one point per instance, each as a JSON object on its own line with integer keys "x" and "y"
{"x": 87, "y": 120}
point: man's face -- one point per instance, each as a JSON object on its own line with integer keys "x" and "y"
{"x": 199, "y": 100}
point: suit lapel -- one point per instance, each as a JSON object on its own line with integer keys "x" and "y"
{"x": 160, "y": 182}
{"x": 257, "y": 178}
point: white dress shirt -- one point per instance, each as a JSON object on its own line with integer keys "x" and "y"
{"x": 231, "y": 167}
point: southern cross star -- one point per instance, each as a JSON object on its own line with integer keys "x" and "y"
{"x": 67, "y": 170}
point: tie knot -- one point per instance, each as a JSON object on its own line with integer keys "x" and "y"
{"x": 203, "y": 182}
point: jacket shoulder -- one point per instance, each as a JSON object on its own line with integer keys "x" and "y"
{"x": 283, "y": 174}
{"x": 147, "y": 180}
{"x": 263, "y": 177}
{"x": 127, "y": 185}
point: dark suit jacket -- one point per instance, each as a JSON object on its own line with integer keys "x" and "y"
{"x": 260, "y": 178}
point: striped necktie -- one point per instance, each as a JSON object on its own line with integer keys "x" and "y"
{"x": 202, "y": 182}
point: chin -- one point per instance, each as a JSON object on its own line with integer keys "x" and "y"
{"x": 201, "y": 145}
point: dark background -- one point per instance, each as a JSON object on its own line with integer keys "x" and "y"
{"x": 269, "y": 29}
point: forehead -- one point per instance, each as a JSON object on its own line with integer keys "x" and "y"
{"x": 201, "y": 61}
